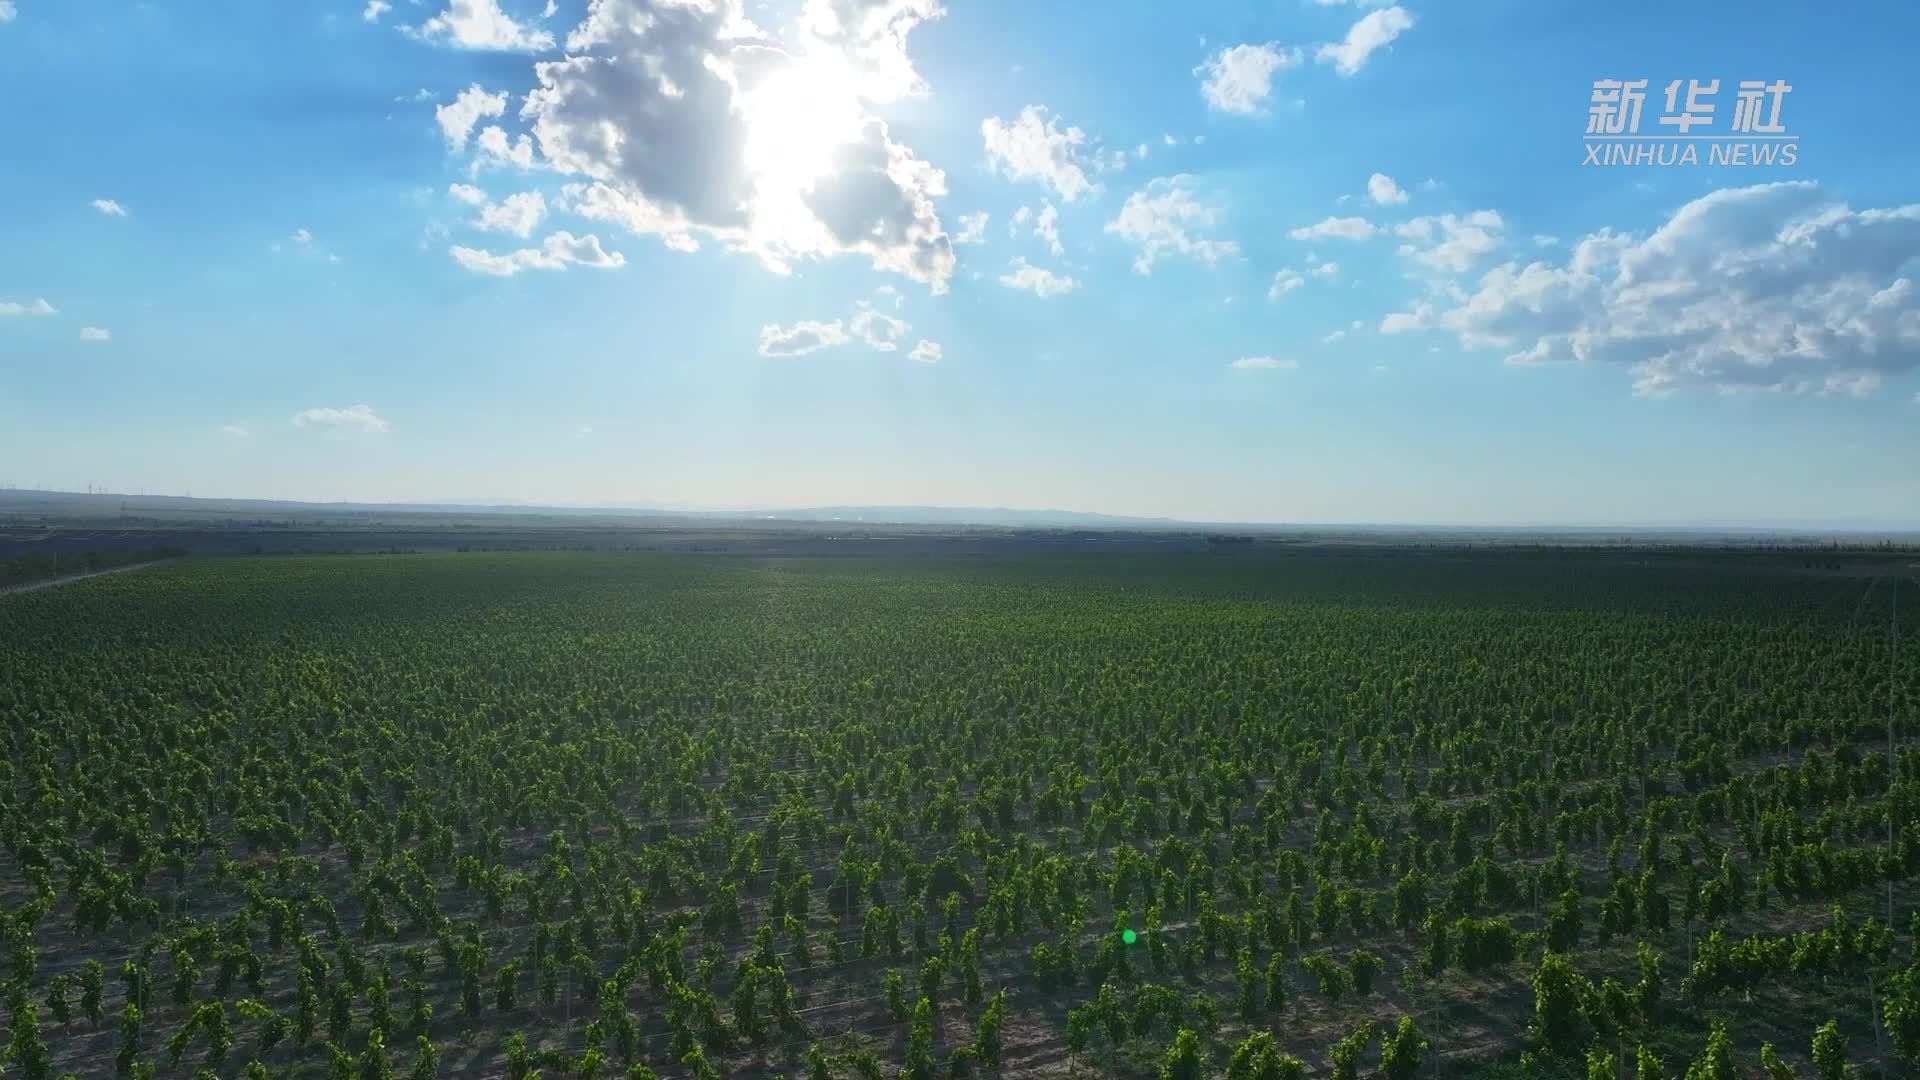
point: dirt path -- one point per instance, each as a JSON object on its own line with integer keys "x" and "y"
{"x": 51, "y": 582}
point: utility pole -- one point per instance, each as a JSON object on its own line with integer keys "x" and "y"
{"x": 1893, "y": 796}
{"x": 1893, "y": 756}
{"x": 1873, "y": 1010}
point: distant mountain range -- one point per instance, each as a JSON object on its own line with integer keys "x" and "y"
{"x": 18, "y": 501}
{"x": 967, "y": 515}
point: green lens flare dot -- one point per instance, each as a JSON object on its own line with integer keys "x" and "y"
{"x": 1128, "y": 936}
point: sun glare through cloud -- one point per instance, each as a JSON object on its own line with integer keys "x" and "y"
{"x": 798, "y": 118}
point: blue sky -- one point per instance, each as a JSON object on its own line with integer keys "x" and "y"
{"x": 1283, "y": 261}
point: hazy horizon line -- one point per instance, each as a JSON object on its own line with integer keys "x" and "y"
{"x": 507, "y": 505}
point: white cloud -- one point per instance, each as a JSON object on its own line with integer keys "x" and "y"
{"x": 1375, "y": 30}
{"x": 238, "y": 431}
{"x": 874, "y": 328}
{"x": 926, "y": 352}
{"x": 1264, "y": 363}
{"x": 480, "y": 24}
{"x": 8, "y": 11}
{"x": 870, "y": 36}
{"x": 351, "y": 418}
{"x": 801, "y": 338}
{"x": 1403, "y": 322}
{"x": 1382, "y": 189}
{"x": 1333, "y": 337}
{"x": 492, "y": 148}
{"x": 1327, "y": 269}
{"x": 599, "y": 202}
{"x": 10, "y": 308}
{"x": 556, "y": 252}
{"x": 1450, "y": 243}
{"x": 683, "y": 119}
{"x": 1034, "y": 147}
{"x": 302, "y": 241}
{"x": 468, "y": 194}
{"x": 973, "y": 229}
{"x": 1160, "y": 218}
{"x": 548, "y": 12}
{"x": 418, "y": 97}
{"x": 1285, "y": 281}
{"x": 1238, "y": 79}
{"x": 1047, "y": 227}
{"x": 109, "y": 207}
{"x": 375, "y": 9}
{"x": 1037, "y": 280}
{"x": 1141, "y": 151}
{"x": 458, "y": 117}
{"x": 1544, "y": 240}
{"x": 1772, "y": 287}
{"x": 516, "y": 215}
{"x": 1336, "y": 228}
{"x": 880, "y": 331}
{"x": 95, "y": 333}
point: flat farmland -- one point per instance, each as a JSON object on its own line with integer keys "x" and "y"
{"x": 1249, "y": 814}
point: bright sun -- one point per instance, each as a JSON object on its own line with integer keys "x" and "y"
{"x": 796, "y": 119}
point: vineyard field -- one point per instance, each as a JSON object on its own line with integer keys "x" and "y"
{"x": 1244, "y": 814}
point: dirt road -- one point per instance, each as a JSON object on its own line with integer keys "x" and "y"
{"x": 51, "y": 582}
